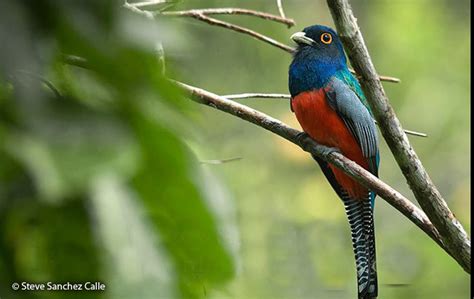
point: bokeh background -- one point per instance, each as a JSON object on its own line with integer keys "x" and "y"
{"x": 105, "y": 172}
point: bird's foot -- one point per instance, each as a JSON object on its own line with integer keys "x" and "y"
{"x": 301, "y": 136}
{"x": 326, "y": 151}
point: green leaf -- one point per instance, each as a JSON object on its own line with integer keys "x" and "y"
{"x": 175, "y": 205}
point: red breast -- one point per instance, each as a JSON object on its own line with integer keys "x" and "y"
{"x": 323, "y": 124}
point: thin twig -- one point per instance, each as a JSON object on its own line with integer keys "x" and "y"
{"x": 415, "y": 133}
{"x": 150, "y": 3}
{"x": 410, "y": 132}
{"x": 221, "y": 161}
{"x": 381, "y": 77}
{"x": 280, "y": 8}
{"x": 367, "y": 179}
{"x": 145, "y": 13}
{"x": 454, "y": 236}
{"x": 257, "y": 95}
{"x": 163, "y": 4}
{"x": 201, "y": 16}
{"x": 229, "y": 11}
{"x": 388, "y": 79}
{"x": 237, "y": 28}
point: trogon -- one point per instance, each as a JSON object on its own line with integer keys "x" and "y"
{"x": 331, "y": 108}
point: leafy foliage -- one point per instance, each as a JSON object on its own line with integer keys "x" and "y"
{"x": 88, "y": 148}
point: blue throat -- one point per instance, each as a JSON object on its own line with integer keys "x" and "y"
{"x": 309, "y": 71}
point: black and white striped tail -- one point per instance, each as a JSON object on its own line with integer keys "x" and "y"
{"x": 359, "y": 213}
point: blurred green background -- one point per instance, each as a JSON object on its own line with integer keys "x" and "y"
{"x": 103, "y": 174}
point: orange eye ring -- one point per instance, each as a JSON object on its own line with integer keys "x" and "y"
{"x": 326, "y": 38}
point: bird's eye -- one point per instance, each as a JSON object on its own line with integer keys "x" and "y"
{"x": 326, "y": 38}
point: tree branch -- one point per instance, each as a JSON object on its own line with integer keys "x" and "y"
{"x": 237, "y": 28}
{"x": 260, "y": 119}
{"x": 230, "y": 11}
{"x": 454, "y": 236}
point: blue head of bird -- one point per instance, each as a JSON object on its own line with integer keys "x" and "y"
{"x": 319, "y": 56}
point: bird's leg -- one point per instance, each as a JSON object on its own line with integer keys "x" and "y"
{"x": 325, "y": 150}
{"x": 301, "y": 137}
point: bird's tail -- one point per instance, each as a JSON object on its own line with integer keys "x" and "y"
{"x": 359, "y": 213}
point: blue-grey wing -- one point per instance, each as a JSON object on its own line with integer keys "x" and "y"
{"x": 357, "y": 118}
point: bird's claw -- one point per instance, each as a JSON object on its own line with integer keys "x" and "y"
{"x": 326, "y": 151}
{"x": 301, "y": 136}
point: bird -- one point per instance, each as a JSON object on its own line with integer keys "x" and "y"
{"x": 331, "y": 108}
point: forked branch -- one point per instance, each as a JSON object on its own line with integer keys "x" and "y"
{"x": 230, "y": 11}
{"x": 454, "y": 236}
